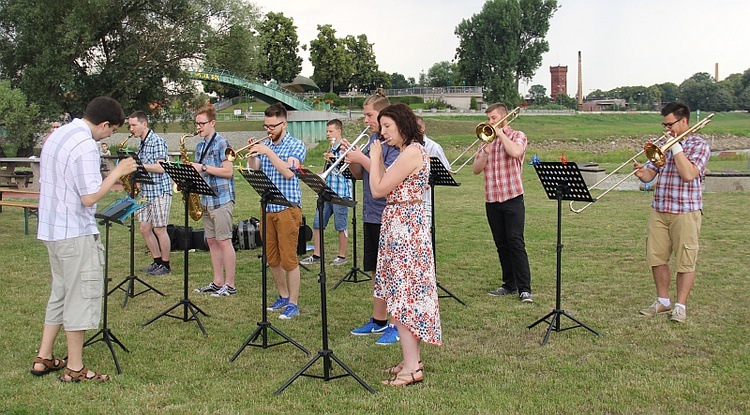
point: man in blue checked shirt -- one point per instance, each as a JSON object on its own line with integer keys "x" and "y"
{"x": 154, "y": 216}
{"x": 218, "y": 172}
{"x": 342, "y": 186}
{"x": 277, "y": 157}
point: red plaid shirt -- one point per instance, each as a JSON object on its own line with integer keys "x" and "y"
{"x": 502, "y": 173}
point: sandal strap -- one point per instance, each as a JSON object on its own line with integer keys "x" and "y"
{"x": 50, "y": 363}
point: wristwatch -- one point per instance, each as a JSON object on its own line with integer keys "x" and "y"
{"x": 204, "y": 168}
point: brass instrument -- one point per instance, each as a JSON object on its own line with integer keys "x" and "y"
{"x": 195, "y": 208}
{"x": 341, "y": 158}
{"x": 127, "y": 181}
{"x": 232, "y": 154}
{"x": 485, "y": 133}
{"x": 654, "y": 153}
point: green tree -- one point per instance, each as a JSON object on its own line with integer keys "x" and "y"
{"x": 503, "y": 44}
{"x": 362, "y": 57}
{"x": 566, "y": 101}
{"x": 62, "y": 56}
{"x": 442, "y": 74}
{"x": 701, "y": 92}
{"x": 278, "y": 48}
{"x": 538, "y": 94}
{"x": 332, "y": 63}
{"x": 399, "y": 81}
{"x": 668, "y": 91}
{"x": 19, "y": 120}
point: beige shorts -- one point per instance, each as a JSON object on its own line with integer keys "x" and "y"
{"x": 156, "y": 212}
{"x": 77, "y": 283}
{"x": 217, "y": 223}
{"x": 673, "y": 234}
{"x": 281, "y": 238}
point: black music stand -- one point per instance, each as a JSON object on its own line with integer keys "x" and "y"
{"x": 439, "y": 176}
{"x": 354, "y": 272}
{"x": 138, "y": 176}
{"x": 325, "y": 194}
{"x": 269, "y": 194}
{"x": 561, "y": 181}
{"x": 116, "y": 212}
{"x": 191, "y": 182}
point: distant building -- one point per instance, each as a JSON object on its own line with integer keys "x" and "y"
{"x": 559, "y": 85}
{"x": 604, "y": 105}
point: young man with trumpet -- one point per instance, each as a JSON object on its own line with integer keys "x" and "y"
{"x": 341, "y": 185}
{"x": 675, "y": 222}
{"x": 502, "y": 163}
{"x": 277, "y": 157}
{"x": 154, "y": 216}
{"x": 218, "y": 172}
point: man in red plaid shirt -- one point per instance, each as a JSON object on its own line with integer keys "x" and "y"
{"x": 675, "y": 221}
{"x": 502, "y": 163}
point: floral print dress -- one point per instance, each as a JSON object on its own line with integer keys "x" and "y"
{"x": 405, "y": 274}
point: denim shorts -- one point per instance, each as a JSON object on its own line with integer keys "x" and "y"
{"x": 340, "y": 216}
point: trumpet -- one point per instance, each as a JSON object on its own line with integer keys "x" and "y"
{"x": 485, "y": 133}
{"x": 341, "y": 158}
{"x": 654, "y": 153}
{"x": 233, "y": 155}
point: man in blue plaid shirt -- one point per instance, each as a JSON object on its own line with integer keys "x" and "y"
{"x": 154, "y": 216}
{"x": 277, "y": 157}
{"x": 342, "y": 186}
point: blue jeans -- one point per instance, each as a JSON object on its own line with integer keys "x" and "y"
{"x": 506, "y": 220}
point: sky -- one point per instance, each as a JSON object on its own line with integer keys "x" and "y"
{"x": 622, "y": 43}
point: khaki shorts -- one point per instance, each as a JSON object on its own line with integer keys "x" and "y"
{"x": 677, "y": 234}
{"x": 281, "y": 238}
{"x": 77, "y": 283}
{"x": 156, "y": 212}
{"x": 217, "y": 223}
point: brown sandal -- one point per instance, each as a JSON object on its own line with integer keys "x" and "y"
{"x": 80, "y": 376}
{"x": 395, "y": 370}
{"x": 405, "y": 380}
{"x": 49, "y": 365}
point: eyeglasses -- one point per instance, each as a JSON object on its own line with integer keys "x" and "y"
{"x": 201, "y": 124}
{"x": 670, "y": 124}
{"x": 272, "y": 127}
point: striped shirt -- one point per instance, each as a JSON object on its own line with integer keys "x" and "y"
{"x": 502, "y": 173}
{"x": 671, "y": 193}
{"x": 69, "y": 168}
{"x": 338, "y": 182}
{"x": 154, "y": 148}
{"x": 287, "y": 147}
{"x": 223, "y": 187}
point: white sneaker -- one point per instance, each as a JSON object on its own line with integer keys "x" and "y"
{"x": 338, "y": 261}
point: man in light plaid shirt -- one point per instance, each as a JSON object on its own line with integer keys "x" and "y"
{"x": 675, "y": 222}
{"x": 277, "y": 157}
{"x": 154, "y": 216}
{"x": 342, "y": 186}
{"x": 502, "y": 163}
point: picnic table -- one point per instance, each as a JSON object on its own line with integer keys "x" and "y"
{"x": 11, "y": 175}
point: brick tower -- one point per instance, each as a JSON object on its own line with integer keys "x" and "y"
{"x": 559, "y": 75}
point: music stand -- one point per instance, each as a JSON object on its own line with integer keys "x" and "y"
{"x": 269, "y": 194}
{"x": 325, "y": 194}
{"x": 355, "y": 270}
{"x": 439, "y": 176}
{"x": 191, "y": 182}
{"x": 138, "y": 176}
{"x": 116, "y": 212}
{"x": 561, "y": 181}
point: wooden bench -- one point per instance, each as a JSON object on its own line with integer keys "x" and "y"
{"x": 30, "y": 208}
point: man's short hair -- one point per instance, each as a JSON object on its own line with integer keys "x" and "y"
{"x": 140, "y": 115}
{"x": 497, "y": 106}
{"x": 277, "y": 110}
{"x": 336, "y": 123}
{"x": 679, "y": 109}
{"x": 209, "y": 111}
{"x": 104, "y": 109}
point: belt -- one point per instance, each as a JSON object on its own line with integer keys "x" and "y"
{"x": 405, "y": 202}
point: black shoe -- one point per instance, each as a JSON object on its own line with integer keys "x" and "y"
{"x": 502, "y": 291}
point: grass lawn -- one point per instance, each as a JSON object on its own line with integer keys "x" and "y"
{"x": 490, "y": 362}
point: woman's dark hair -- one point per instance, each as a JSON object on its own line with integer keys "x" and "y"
{"x": 406, "y": 122}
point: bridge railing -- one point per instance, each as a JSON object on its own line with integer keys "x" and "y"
{"x": 422, "y": 90}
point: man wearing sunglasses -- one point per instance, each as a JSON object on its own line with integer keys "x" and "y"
{"x": 675, "y": 221}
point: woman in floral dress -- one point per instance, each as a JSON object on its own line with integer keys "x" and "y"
{"x": 405, "y": 274}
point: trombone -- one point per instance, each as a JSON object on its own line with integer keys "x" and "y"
{"x": 485, "y": 132}
{"x": 232, "y": 154}
{"x": 341, "y": 158}
{"x": 654, "y": 153}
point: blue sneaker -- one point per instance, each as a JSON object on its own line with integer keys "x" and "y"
{"x": 390, "y": 336}
{"x": 290, "y": 311}
{"x": 279, "y": 304}
{"x": 369, "y": 328}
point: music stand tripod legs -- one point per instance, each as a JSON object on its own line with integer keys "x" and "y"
{"x": 106, "y": 334}
{"x": 325, "y": 353}
{"x": 355, "y": 270}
